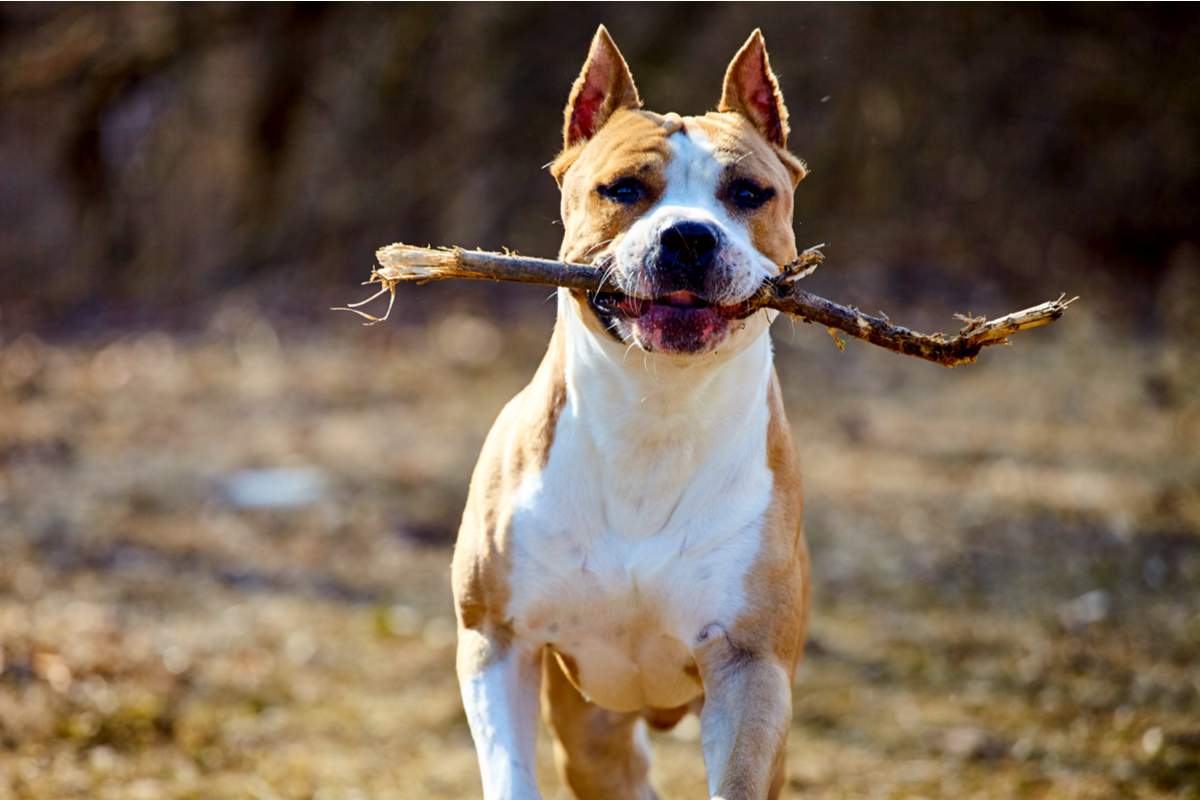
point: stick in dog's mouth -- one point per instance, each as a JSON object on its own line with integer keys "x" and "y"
{"x": 402, "y": 263}
{"x": 631, "y": 306}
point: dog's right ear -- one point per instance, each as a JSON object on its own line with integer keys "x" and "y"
{"x": 752, "y": 90}
{"x": 603, "y": 86}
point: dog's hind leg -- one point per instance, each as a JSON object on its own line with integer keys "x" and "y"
{"x": 600, "y": 754}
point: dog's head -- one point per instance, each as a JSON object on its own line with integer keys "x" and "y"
{"x": 690, "y": 214}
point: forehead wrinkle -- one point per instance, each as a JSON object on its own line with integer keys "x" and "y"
{"x": 628, "y": 139}
{"x": 731, "y": 147}
{"x": 734, "y": 134}
{"x": 735, "y": 148}
{"x": 635, "y": 156}
{"x": 742, "y": 155}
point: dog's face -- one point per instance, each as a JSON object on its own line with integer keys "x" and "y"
{"x": 690, "y": 214}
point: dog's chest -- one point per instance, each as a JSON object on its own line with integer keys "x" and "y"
{"x": 620, "y": 559}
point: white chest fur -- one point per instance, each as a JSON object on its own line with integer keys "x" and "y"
{"x": 640, "y": 530}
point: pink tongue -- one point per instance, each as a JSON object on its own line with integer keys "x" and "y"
{"x": 682, "y": 299}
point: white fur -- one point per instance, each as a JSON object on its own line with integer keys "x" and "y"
{"x": 693, "y": 177}
{"x": 501, "y": 701}
{"x": 650, "y": 505}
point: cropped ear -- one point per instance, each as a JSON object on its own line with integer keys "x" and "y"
{"x": 752, "y": 91}
{"x": 603, "y": 86}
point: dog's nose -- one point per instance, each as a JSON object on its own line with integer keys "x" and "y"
{"x": 689, "y": 243}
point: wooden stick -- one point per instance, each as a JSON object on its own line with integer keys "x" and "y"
{"x": 401, "y": 263}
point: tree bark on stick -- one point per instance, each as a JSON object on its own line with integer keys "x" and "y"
{"x": 401, "y": 263}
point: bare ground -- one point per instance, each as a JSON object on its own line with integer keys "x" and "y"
{"x": 1006, "y": 563}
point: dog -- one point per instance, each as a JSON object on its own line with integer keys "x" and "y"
{"x": 632, "y": 545}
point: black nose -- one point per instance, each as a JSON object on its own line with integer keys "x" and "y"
{"x": 690, "y": 244}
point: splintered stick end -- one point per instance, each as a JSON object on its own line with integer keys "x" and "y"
{"x": 804, "y": 265}
{"x": 403, "y": 263}
{"x": 406, "y": 262}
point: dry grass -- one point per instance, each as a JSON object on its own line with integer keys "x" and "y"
{"x": 1006, "y": 578}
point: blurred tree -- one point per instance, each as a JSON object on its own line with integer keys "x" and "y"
{"x": 153, "y": 155}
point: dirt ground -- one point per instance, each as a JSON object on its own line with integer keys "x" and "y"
{"x": 224, "y": 564}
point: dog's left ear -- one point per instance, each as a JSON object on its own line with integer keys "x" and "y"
{"x": 603, "y": 86}
{"x": 752, "y": 91}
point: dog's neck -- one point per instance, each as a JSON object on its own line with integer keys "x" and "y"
{"x": 649, "y": 424}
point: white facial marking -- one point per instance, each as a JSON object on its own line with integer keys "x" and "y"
{"x": 693, "y": 173}
{"x": 693, "y": 181}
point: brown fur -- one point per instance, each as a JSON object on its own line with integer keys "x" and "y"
{"x": 594, "y": 749}
{"x": 777, "y": 583}
{"x": 518, "y": 443}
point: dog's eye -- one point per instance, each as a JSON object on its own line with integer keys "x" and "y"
{"x": 748, "y": 195}
{"x": 625, "y": 191}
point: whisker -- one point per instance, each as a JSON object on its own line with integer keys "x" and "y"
{"x": 598, "y": 245}
{"x": 625, "y": 357}
{"x": 608, "y": 273}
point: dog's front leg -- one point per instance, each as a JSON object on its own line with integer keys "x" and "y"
{"x": 745, "y": 720}
{"x": 500, "y": 683}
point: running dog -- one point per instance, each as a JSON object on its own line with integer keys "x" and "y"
{"x": 632, "y": 547}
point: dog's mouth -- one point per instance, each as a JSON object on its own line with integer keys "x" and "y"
{"x": 674, "y": 322}
{"x": 629, "y": 307}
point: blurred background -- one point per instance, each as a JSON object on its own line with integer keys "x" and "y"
{"x": 226, "y": 513}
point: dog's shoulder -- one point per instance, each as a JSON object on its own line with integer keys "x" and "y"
{"x": 517, "y": 446}
{"x": 777, "y": 583}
